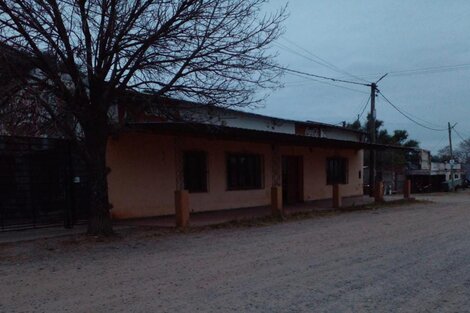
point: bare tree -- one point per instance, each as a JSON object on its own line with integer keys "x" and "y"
{"x": 464, "y": 151}
{"x": 461, "y": 153}
{"x": 86, "y": 53}
{"x": 20, "y": 111}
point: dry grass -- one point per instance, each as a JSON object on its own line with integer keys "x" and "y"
{"x": 271, "y": 220}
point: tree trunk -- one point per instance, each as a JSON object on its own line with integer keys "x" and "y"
{"x": 99, "y": 222}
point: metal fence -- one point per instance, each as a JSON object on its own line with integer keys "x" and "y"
{"x": 42, "y": 183}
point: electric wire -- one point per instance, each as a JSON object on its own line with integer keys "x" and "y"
{"x": 439, "y": 145}
{"x": 329, "y": 84}
{"x": 432, "y": 70}
{"x": 286, "y": 48}
{"x": 410, "y": 118}
{"x": 321, "y": 76}
{"x": 414, "y": 119}
{"x": 465, "y": 133}
{"x": 322, "y": 61}
{"x": 363, "y": 109}
{"x": 424, "y": 70}
{"x": 420, "y": 119}
{"x": 302, "y": 82}
{"x": 461, "y": 137}
{"x": 287, "y": 69}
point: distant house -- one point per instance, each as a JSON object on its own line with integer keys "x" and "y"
{"x": 227, "y": 159}
{"x": 428, "y": 176}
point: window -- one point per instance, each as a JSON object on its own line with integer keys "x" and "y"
{"x": 195, "y": 171}
{"x": 336, "y": 171}
{"x": 244, "y": 171}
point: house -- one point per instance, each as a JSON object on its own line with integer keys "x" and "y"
{"x": 428, "y": 176}
{"x": 227, "y": 159}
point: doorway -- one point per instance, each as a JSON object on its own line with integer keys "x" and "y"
{"x": 292, "y": 179}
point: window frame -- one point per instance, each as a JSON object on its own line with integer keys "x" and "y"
{"x": 344, "y": 180}
{"x": 229, "y": 186}
{"x": 205, "y": 188}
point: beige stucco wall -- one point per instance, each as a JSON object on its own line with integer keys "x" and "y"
{"x": 143, "y": 176}
{"x": 314, "y": 166}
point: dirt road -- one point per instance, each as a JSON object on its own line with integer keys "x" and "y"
{"x": 407, "y": 259}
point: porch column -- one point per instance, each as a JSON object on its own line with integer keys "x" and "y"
{"x": 276, "y": 189}
{"x": 276, "y": 201}
{"x": 182, "y": 208}
{"x": 337, "y": 199}
{"x": 181, "y": 195}
{"x": 379, "y": 192}
{"x": 407, "y": 189}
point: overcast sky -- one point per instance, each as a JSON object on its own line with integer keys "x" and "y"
{"x": 371, "y": 38}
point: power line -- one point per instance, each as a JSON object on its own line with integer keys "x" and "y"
{"x": 465, "y": 133}
{"x": 302, "y": 82}
{"x": 410, "y": 118}
{"x": 424, "y": 70}
{"x": 363, "y": 109}
{"x": 419, "y": 118}
{"x": 282, "y": 46}
{"x": 287, "y": 69}
{"x": 322, "y": 61}
{"x": 321, "y": 76}
{"x": 461, "y": 137}
{"x": 434, "y": 69}
{"x": 329, "y": 84}
{"x": 439, "y": 145}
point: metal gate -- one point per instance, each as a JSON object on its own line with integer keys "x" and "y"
{"x": 39, "y": 184}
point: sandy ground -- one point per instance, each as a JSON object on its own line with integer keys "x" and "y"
{"x": 413, "y": 258}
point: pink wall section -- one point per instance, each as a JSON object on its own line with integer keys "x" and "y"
{"x": 314, "y": 164}
{"x": 143, "y": 176}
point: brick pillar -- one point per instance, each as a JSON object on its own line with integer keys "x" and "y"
{"x": 379, "y": 191}
{"x": 276, "y": 201}
{"x": 407, "y": 189}
{"x": 337, "y": 199}
{"x": 182, "y": 208}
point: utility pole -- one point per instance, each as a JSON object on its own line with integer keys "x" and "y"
{"x": 373, "y": 154}
{"x": 451, "y": 156}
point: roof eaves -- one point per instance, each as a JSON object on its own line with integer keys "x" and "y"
{"x": 257, "y": 115}
{"x": 217, "y": 130}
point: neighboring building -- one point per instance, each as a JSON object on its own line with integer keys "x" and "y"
{"x": 227, "y": 159}
{"x": 446, "y": 170}
{"x": 392, "y": 168}
{"x": 428, "y": 176}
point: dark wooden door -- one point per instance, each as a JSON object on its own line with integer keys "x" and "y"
{"x": 292, "y": 179}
